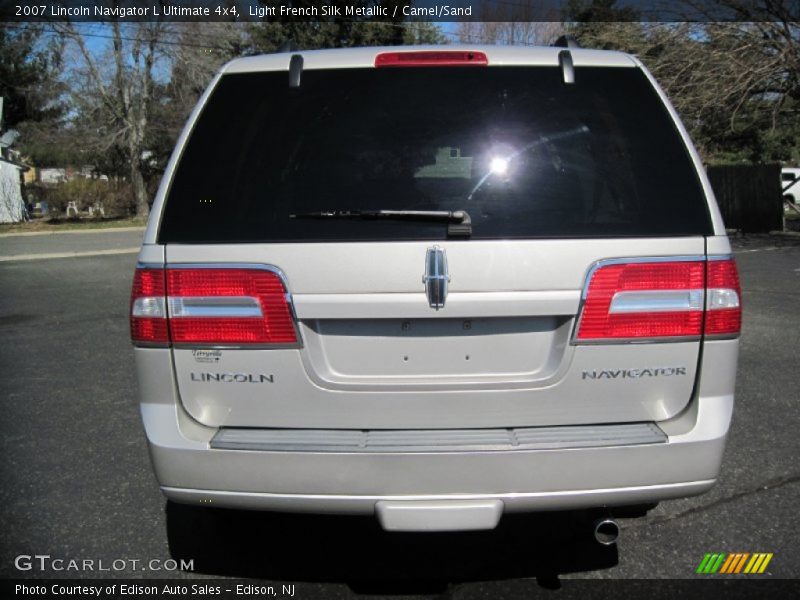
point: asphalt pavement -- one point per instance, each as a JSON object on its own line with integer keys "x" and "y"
{"x": 77, "y": 483}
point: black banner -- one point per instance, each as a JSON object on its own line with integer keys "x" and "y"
{"x": 286, "y": 11}
{"x": 155, "y": 589}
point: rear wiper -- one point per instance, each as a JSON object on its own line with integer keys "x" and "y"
{"x": 458, "y": 222}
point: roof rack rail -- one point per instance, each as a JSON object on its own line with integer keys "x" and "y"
{"x": 295, "y": 70}
{"x": 566, "y": 41}
{"x": 567, "y": 68}
{"x": 565, "y": 57}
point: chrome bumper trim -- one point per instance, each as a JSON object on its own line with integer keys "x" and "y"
{"x": 437, "y": 440}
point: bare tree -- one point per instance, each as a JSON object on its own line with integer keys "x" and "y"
{"x": 120, "y": 91}
{"x": 762, "y": 49}
{"x": 524, "y": 22}
{"x": 734, "y": 83}
{"x": 523, "y": 33}
{"x": 203, "y": 48}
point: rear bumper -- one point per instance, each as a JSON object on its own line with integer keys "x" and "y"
{"x": 433, "y": 489}
{"x": 368, "y": 504}
{"x": 189, "y": 471}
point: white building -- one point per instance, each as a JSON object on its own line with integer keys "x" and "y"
{"x": 12, "y": 206}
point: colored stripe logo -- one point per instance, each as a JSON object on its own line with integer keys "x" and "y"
{"x": 734, "y": 563}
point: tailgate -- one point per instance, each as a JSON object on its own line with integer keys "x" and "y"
{"x": 374, "y": 354}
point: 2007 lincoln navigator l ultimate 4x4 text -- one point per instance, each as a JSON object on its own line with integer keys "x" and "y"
{"x": 435, "y": 284}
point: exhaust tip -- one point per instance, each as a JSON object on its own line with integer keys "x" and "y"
{"x": 606, "y": 531}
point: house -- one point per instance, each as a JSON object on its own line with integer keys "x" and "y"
{"x": 12, "y": 205}
{"x": 55, "y": 175}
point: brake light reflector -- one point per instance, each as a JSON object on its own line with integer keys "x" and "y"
{"x": 148, "y": 308}
{"x": 665, "y": 299}
{"x": 210, "y": 306}
{"x": 724, "y": 316}
{"x": 643, "y": 300}
{"x": 431, "y": 58}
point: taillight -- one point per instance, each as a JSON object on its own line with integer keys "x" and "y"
{"x": 431, "y": 58}
{"x": 642, "y": 300}
{"x": 148, "y": 308}
{"x": 724, "y": 316}
{"x": 231, "y": 306}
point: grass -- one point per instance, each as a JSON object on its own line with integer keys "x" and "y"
{"x": 45, "y": 225}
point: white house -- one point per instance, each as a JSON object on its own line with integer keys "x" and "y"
{"x": 12, "y": 206}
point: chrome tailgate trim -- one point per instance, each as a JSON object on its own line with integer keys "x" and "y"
{"x": 436, "y": 440}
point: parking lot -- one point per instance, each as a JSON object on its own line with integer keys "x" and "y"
{"x": 77, "y": 483}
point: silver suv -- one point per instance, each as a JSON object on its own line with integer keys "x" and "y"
{"x": 437, "y": 285}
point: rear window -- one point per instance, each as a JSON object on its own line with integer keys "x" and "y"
{"x": 524, "y": 154}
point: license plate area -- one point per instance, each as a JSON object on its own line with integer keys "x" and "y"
{"x": 393, "y": 350}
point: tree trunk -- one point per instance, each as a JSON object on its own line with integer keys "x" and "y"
{"x": 139, "y": 190}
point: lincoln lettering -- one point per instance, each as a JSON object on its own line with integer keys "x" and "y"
{"x": 233, "y": 377}
{"x": 634, "y": 373}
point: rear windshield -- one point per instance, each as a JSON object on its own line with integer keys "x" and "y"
{"x": 525, "y": 155}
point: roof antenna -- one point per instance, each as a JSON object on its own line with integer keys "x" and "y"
{"x": 567, "y": 68}
{"x": 295, "y": 70}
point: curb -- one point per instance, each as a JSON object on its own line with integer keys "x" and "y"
{"x": 71, "y": 231}
{"x": 735, "y": 234}
{"x": 55, "y": 255}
